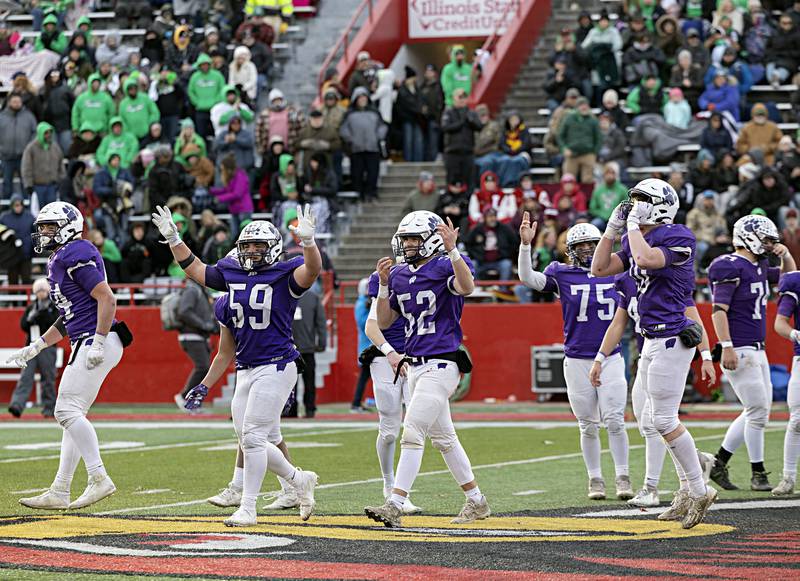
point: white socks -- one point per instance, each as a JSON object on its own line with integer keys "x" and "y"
{"x": 791, "y": 444}
{"x": 238, "y": 478}
{"x": 743, "y": 431}
{"x": 67, "y": 464}
{"x": 474, "y": 494}
{"x": 85, "y": 439}
{"x": 385, "y": 452}
{"x": 685, "y": 454}
{"x": 590, "y": 446}
{"x": 684, "y": 484}
{"x": 408, "y": 468}
{"x": 459, "y": 464}
{"x": 654, "y": 451}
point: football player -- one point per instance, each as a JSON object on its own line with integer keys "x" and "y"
{"x": 428, "y": 292}
{"x": 389, "y": 395}
{"x": 262, "y": 298}
{"x": 86, "y": 306}
{"x": 588, "y": 304}
{"x": 740, "y": 284}
{"x": 660, "y": 257}
{"x": 232, "y": 494}
{"x": 789, "y": 306}
{"x": 655, "y": 450}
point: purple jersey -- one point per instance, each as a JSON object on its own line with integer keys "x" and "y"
{"x": 73, "y": 271}
{"x": 588, "y": 304}
{"x": 744, "y": 288}
{"x": 258, "y": 309}
{"x": 627, "y": 290}
{"x": 426, "y": 298}
{"x": 789, "y": 305}
{"x": 662, "y": 292}
{"x": 396, "y": 334}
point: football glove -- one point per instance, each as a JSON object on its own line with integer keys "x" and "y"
{"x": 306, "y": 226}
{"x": 162, "y": 218}
{"x": 616, "y": 223}
{"x": 21, "y": 357}
{"x": 639, "y": 213}
{"x": 97, "y": 352}
{"x": 795, "y": 335}
{"x": 194, "y": 399}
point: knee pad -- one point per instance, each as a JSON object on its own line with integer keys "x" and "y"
{"x": 666, "y": 424}
{"x": 615, "y": 425}
{"x": 387, "y": 438}
{"x": 794, "y": 421}
{"x": 444, "y": 442}
{"x": 275, "y": 437}
{"x": 413, "y": 437}
{"x": 66, "y": 415}
{"x": 388, "y": 429}
{"x": 588, "y": 428}
{"x": 254, "y": 441}
{"x": 757, "y": 417}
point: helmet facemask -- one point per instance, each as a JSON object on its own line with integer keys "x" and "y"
{"x": 46, "y": 237}
{"x": 409, "y": 253}
{"x": 254, "y": 254}
{"x": 581, "y": 253}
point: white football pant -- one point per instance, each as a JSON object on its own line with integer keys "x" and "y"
{"x": 77, "y": 391}
{"x": 791, "y": 443}
{"x": 389, "y": 398}
{"x": 752, "y": 384}
{"x": 593, "y": 406}
{"x": 428, "y": 415}
{"x": 654, "y": 446}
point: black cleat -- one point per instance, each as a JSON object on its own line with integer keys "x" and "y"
{"x": 14, "y": 411}
{"x": 759, "y": 482}
{"x": 719, "y": 474}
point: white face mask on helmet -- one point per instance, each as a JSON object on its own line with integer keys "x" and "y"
{"x": 659, "y": 194}
{"x": 422, "y": 225}
{"x": 579, "y": 234}
{"x": 259, "y": 232}
{"x": 69, "y": 226}
{"x": 752, "y": 232}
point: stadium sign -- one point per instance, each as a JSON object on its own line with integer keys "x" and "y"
{"x": 454, "y": 18}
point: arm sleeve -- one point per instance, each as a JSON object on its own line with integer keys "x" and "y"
{"x": 86, "y": 274}
{"x": 528, "y": 276}
{"x": 773, "y": 274}
{"x": 787, "y": 304}
{"x": 724, "y": 279}
{"x": 214, "y": 279}
{"x": 723, "y": 292}
{"x": 623, "y": 256}
{"x": 373, "y": 311}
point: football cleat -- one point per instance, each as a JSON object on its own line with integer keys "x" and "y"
{"x": 719, "y": 474}
{"x": 647, "y": 497}
{"x": 472, "y": 511}
{"x": 242, "y": 518}
{"x": 679, "y": 507}
{"x": 227, "y": 497}
{"x": 51, "y": 499}
{"x": 389, "y": 514}
{"x": 624, "y": 490}
{"x": 98, "y": 488}
{"x": 759, "y": 482}
{"x": 597, "y": 489}
{"x": 785, "y": 487}
{"x": 706, "y": 463}
{"x": 410, "y": 508}
{"x": 698, "y": 507}
{"x": 286, "y": 499}
{"x": 305, "y": 482}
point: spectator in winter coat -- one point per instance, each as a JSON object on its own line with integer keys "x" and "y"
{"x": 642, "y": 59}
{"x": 21, "y": 221}
{"x": 310, "y": 334}
{"x": 783, "y": 52}
{"x": 109, "y": 250}
{"x": 237, "y": 142}
{"x": 668, "y": 37}
{"x": 759, "y": 134}
{"x": 790, "y": 235}
{"x": 243, "y": 73}
{"x": 155, "y": 137}
{"x": 457, "y": 74}
{"x": 170, "y": 99}
{"x": 647, "y": 97}
{"x": 606, "y": 195}
{"x": 93, "y": 108}
{"x": 235, "y": 192}
{"x": 768, "y": 191}
{"x": 579, "y": 138}
{"x": 423, "y": 197}
{"x": 18, "y": 128}
{"x": 316, "y": 137}
{"x": 222, "y": 112}
{"x": 165, "y": 178}
{"x": 118, "y": 141}
{"x": 720, "y": 96}
{"x": 610, "y": 104}
{"x": 492, "y": 245}
{"x": 362, "y": 76}
{"x": 318, "y": 184}
{"x": 153, "y": 47}
{"x": 181, "y": 53}
{"x": 287, "y": 192}
{"x": 22, "y": 86}
{"x": 113, "y": 187}
{"x": 85, "y": 145}
{"x": 612, "y": 142}
{"x": 110, "y": 51}
{"x": 137, "y": 263}
{"x": 138, "y": 111}
{"x": 261, "y": 57}
{"x": 733, "y": 67}
{"x": 384, "y": 95}
{"x": 708, "y": 225}
{"x": 195, "y": 316}
{"x": 788, "y": 161}
{"x": 715, "y": 137}
{"x": 278, "y": 119}
{"x": 51, "y": 38}
{"x": 410, "y": 117}
{"x": 559, "y": 80}
{"x": 677, "y": 111}
{"x": 186, "y": 137}
{"x": 205, "y": 91}
{"x": 688, "y": 77}
{"x": 606, "y": 37}
{"x": 459, "y": 125}
{"x": 57, "y": 101}
{"x": 579, "y": 61}
{"x": 43, "y": 165}
{"x": 570, "y": 189}
{"x": 218, "y": 245}
{"x": 701, "y": 175}
{"x": 432, "y": 107}
{"x": 198, "y": 166}
{"x": 362, "y": 131}
{"x": 489, "y": 195}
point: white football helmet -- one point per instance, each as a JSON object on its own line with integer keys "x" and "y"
{"x": 661, "y": 196}
{"x": 422, "y": 225}
{"x": 397, "y": 251}
{"x": 752, "y": 231}
{"x": 579, "y": 234}
{"x": 259, "y": 231}
{"x": 69, "y": 226}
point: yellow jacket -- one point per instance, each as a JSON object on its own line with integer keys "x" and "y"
{"x": 262, "y": 7}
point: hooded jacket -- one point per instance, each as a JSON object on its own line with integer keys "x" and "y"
{"x": 483, "y": 199}
{"x": 222, "y": 112}
{"x": 580, "y": 133}
{"x": 384, "y": 94}
{"x": 117, "y": 55}
{"x": 93, "y": 109}
{"x": 236, "y": 194}
{"x": 202, "y": 171}
{"x": 205, "y": 89}
{"x": 89, "y": 33}
{"x": 168, "y": 95}
{"x": 362, "y": 129}
{"x": 241, "y": 147}
{"x": 455, "y": 76}
{"x": 42, "y": 162}
{"x": 246, "y": 75}
{"x": 641, "y": 100}
{"x": 459, "y": 125}
{"x": 125, "y": 144}
{"x": 178, "y": 53}
{"x": 764, "y": 137}
{"x": 138, "y": 112}
{"x": 105, "y": 183}
{"x": 724, "y": 98}
{"x": 18, "y": 129}
{"x": 57, "y": 102}
{"x": 322, "y": 181}
{"x": 753, "y": 194}
{"x": 21, "y": 224}
{"x": 716, "y": 140}
{"x": 55, "y": 41}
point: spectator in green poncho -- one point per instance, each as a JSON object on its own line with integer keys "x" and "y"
{"x": 51, "y": 38}
{"x": 119, "y": 141}
{"x": 93, "y": 108}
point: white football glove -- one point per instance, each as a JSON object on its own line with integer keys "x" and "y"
{"x": 162, "y": 218}
{"x": 306, "y": 226}
{"x": 97, "y": 352}
{"x": 795, "y": 335}
{"x": 639, "y": 213}
{"x": 616, "y": 223}
{"x": 21, "y": 357}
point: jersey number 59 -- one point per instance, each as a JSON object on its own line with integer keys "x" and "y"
{"x": 259, "y": 305}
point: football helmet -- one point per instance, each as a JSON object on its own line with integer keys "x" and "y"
{"x": 752, "y": 231}
{"x": 263, "y": 232}
{"x": 69, "y": 226}
{"x": 579, "y": 234}
{"x": 421, "y": 225}
{"x": 661, "y": 196}
{"x": 397, "y": 251}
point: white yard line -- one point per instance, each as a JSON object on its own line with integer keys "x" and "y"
{"x": 740, "y": 505}
{"x": 528, "y": 492}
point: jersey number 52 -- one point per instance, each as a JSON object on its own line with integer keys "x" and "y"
{"x": 418, "y": 323}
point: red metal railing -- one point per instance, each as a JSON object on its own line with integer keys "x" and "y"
{"x": 343, "y": 43}
{"x": 491, "y": 40}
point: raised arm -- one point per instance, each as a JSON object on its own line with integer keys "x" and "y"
{"x": 191, "y": 265}
{"x": 604, "y": 261}
{"x": 645, "y": 256}
{"x": 529, "y": 277}
{"x": 385, "y": 314}
{"x": 464, "y": 282}
{"x": 306, "y": 274}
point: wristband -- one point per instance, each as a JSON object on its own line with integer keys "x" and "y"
{"x": 610, "y": 233}
{"x": 383, "y": 291}
{"x": 40, "y": 345}
{"x": 632, "y": 226}
{"x": 386, "y": 348}
{"x": 454, "y": 255}
{"x": 705, "y": 355}
{"x": 795, "y": 335}
{"x": 525, "y": 247}
{"x": 186, "y": 262}
{"x": 726, "y": 344}
{"x": 308, "y": 243}
{"x": 600, "y": 357}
